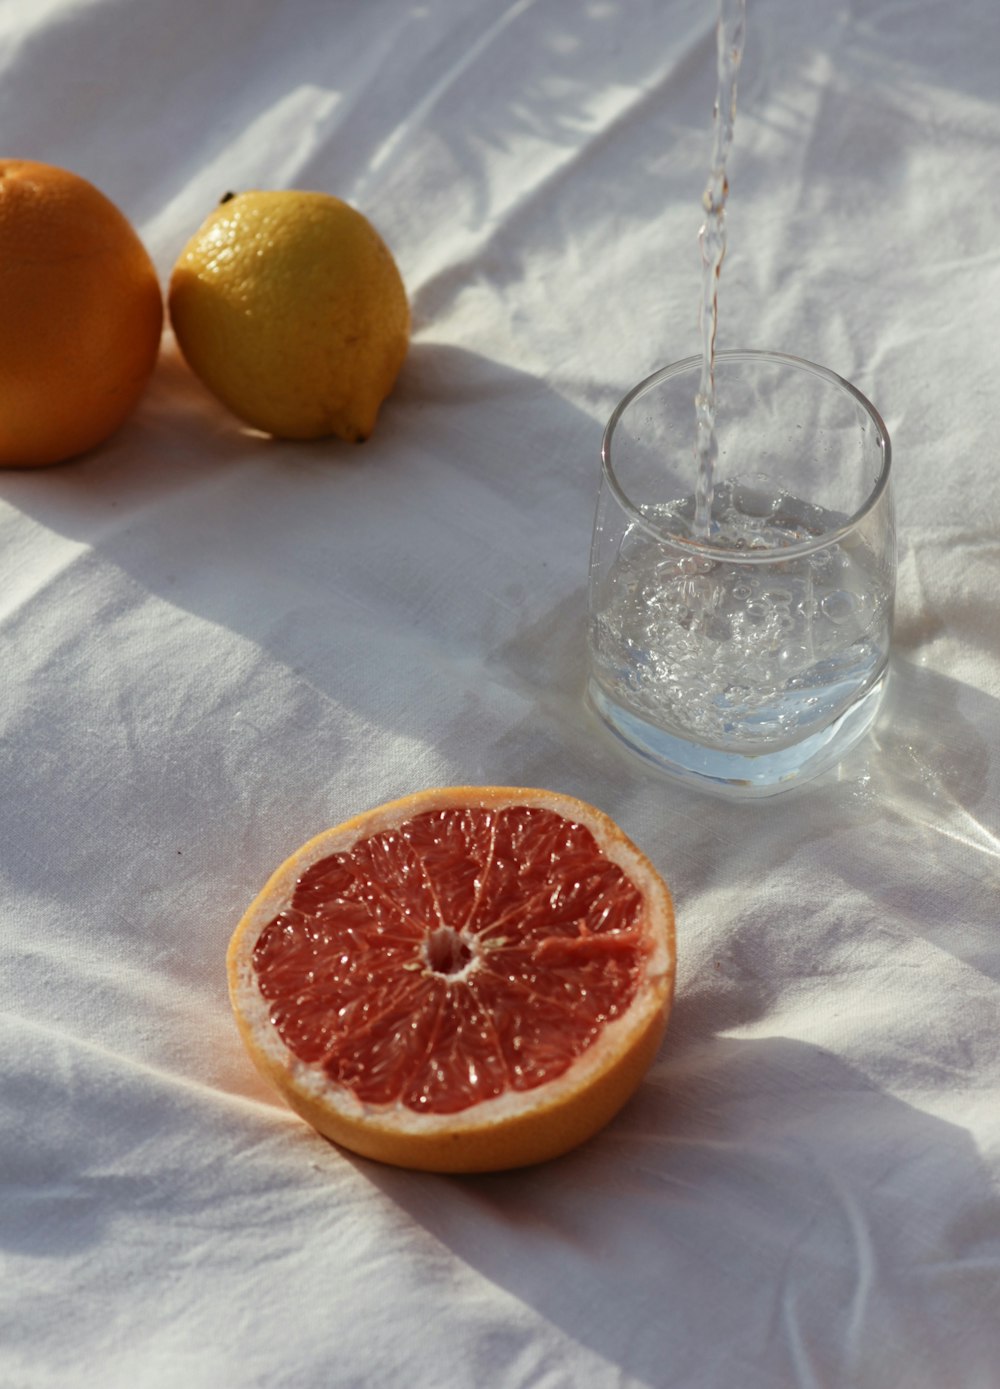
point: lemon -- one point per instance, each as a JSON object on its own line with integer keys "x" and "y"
{"x": 289, "y": 307}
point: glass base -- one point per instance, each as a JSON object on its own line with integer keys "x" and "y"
{"x": 734, "y": 774}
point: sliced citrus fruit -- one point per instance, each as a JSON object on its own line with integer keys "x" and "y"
{"x": 467, "y": 979}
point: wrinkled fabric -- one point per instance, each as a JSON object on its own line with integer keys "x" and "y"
{"x": 215, "y": 645}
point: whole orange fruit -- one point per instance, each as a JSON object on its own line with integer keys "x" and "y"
{"x": 468, "y": 979}
{"x": 82, "y": 315}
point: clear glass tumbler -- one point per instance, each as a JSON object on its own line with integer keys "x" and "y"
{"x": 750, "y": 657}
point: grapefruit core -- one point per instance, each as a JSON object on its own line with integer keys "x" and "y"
{"x": 467, "y": 979}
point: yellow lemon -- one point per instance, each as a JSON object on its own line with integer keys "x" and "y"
{"x": 289, "y": 307}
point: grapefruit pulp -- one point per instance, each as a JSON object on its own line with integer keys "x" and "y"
{"x": 468, "y": 979}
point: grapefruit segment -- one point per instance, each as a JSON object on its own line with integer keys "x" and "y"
{"x": 463, "y": 980}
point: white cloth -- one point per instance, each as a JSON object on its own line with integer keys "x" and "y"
{"x": 214, "y": 646}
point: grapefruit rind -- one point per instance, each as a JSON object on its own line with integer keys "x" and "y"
{"x": 515, "y": 1129}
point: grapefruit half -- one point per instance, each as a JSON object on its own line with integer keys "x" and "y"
{"x": 467, "y": 979}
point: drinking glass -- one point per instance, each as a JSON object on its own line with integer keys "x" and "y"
{"x": 746, "y": 655}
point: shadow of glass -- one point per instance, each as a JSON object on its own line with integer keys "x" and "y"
{"x": 897, "y": 825}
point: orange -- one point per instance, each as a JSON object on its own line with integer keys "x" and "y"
{"x": 468, "y": 979}
{"x": 290, "y": 308}
{"x": 82, "y": 315}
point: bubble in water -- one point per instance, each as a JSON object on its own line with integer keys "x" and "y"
{"x": 839, "y": 606}
{"x": 732, "y": 653}
{"x": 793, "y": 657}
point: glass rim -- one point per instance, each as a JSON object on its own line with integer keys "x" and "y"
{"x": 706, "y": 548}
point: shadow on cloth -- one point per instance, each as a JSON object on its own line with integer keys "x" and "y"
{"x": 302, "y": 547}
{"x": 363, "y": 584}
{"x": 769, "y": 1170}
